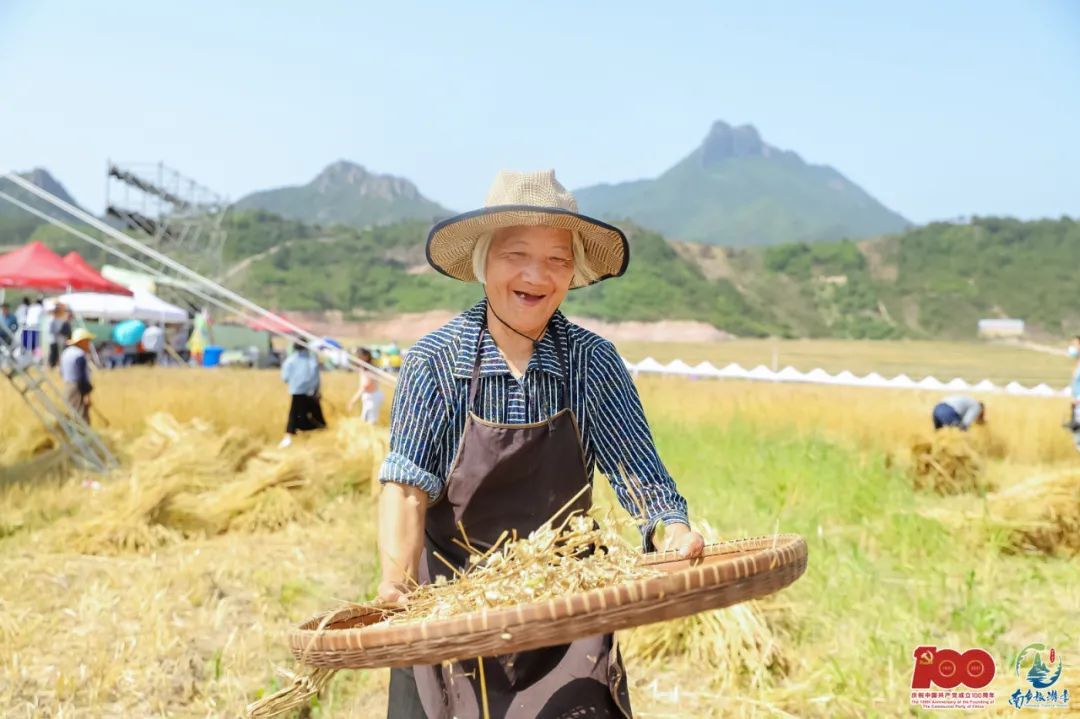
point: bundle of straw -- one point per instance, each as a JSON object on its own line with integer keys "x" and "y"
{"x": 731, "y": 646}
{"x": 28, "y": 440}
{"x": 1041, "y": 513}
{"x": 737, "y": 644}
{"x": 947, "y": 463}
{"x": 187, "y": 479}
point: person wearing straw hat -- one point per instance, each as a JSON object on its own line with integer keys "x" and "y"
{"x": 75, "y": 371}
{"x": 498, "y": 421}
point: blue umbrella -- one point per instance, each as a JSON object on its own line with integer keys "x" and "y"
{"x": 128, "y": 332}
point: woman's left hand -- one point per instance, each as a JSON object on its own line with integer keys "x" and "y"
{"x": 690, "y": 544}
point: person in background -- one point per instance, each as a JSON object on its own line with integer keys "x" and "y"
{"x": 32, "y": 326}
{"x": 393, "y": 357}
{"x": 9, "y": 323}
{"x": 75, "y": 371}
{"x": 59, "y": 332}
{"x": 153, "y": 342}
{"x": 179, "y": 342}
{"x": 200, "y": 336}
{"x": 367, "y": 392}
{"x": 301, "y": 372}
{"x": 21, "y": 310}
{"x": 959, "y": 411}
{"x": 1073, "y": 423}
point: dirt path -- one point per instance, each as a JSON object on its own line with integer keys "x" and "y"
{"x": 247, "y": 261}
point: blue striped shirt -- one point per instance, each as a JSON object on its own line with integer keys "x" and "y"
{"x": 431, "y": 404}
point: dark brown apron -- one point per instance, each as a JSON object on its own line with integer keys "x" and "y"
{"x": 512, "y": 477}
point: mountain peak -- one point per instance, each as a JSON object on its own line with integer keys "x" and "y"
{"x": 44, "y": 179}
{"x": 345, "y": 192}
{"x": 344, "y": 170}
{"x": 347, "y": 173}
{"x": 736, "y": 189}
{"x": 724, "y": 142}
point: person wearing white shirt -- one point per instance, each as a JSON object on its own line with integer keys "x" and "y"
{"x": 153, "y": 341}
{"x": 32, "y": 328}
{"x": 367, "y": 392}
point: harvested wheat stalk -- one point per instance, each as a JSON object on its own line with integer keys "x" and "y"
{"x": 947, "y": 463}
{"x": 1041, "y": 513}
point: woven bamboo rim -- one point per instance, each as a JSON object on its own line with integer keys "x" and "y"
{"x": 728, "y": 573}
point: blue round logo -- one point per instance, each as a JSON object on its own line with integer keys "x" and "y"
{"x": 1040, "y": 670}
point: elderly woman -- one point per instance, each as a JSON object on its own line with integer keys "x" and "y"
{"x": 499, "y": 419}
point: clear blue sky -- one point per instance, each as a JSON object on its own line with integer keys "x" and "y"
{"x": 936, "y": 108}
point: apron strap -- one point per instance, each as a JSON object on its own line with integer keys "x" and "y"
{"x": 562, "y": 370}
{"x": 474, "y": 383}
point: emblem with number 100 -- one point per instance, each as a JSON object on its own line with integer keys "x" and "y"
{"x": 948, "y": 668}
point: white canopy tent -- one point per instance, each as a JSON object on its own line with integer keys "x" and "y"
{"x": 140, "y": 306}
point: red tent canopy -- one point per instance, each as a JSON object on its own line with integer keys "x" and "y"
{"x": 86, "y": 270}
{"x": 35, "y": 266}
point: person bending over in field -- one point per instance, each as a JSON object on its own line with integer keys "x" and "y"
{"x": 959, "y": 411}
{"x": 301, "y": 372}
{"x": 498, "y": 420}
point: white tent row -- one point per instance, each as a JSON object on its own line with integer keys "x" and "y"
{"x": 140, "y": 306}
{"x": 845, "y": 378}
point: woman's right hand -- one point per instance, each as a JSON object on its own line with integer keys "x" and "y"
{"x": 391, "y": 592}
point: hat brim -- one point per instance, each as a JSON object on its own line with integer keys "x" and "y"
{"x": 450, "y": 242}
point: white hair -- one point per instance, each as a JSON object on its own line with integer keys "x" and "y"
{"x": 583, "y": 271}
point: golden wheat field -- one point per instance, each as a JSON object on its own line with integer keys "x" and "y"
{"x": 168, "y": 591}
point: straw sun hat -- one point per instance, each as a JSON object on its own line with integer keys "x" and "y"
{"x": 525, "y": 198}
{"x": 79, "y": 335}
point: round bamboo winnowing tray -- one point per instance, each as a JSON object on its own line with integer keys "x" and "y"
{"x": 728, "y": 573}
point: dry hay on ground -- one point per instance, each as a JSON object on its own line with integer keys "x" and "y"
{"x": 737, "y": 646}
{"x": 948, "y": 462}
{"x": 186, "y": 479}
{"x": 1041, "y": 513}
{"x": 27, "y": 439}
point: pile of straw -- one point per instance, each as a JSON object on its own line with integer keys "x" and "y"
{"x": 1041, "y": 513}
{"x": 949, "y": 462}
{"x": 735, "y": 646}
{"x": 187, "y": 479}
{"x": 738, "y": 646}
{"x": 28, "y": 439}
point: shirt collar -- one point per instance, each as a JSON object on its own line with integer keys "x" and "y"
{"x": 545, "y": 358}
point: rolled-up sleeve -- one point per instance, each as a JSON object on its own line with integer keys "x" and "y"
{"x": 417, "y": 420}
{"x": 624, "y": 447}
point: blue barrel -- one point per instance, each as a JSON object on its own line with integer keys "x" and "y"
{"x": 212, "y": 356}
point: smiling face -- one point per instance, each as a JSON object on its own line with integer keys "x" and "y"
{"x": 528, "y": 273}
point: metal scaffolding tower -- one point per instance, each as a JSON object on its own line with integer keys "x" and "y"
{"x": 177, "y": 215}
{"x": 47, "y": 402}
